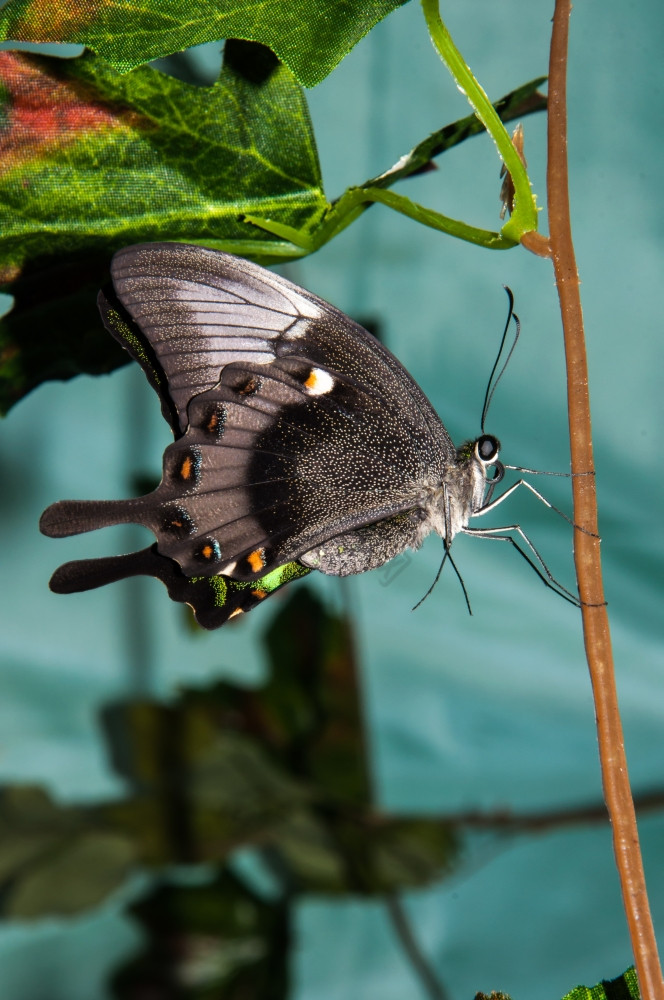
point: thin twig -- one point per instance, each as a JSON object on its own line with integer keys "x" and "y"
{"x": 597, "y": 638}
{"x": 590, "y": 813}
{"x": 419, "y": 962}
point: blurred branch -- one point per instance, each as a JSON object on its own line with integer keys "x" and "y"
{"x": 402, "y": 926}
{"x": 503, "y": 819}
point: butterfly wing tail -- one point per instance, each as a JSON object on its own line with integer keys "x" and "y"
{"x": 88, "y": 574}
{"x": 73, "y": 517}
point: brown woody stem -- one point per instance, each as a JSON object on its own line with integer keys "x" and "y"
{"x": 597, "y": 638}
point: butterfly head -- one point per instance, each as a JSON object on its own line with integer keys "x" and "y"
{"x": 468, "y": 485}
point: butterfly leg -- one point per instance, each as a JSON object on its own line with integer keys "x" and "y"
{"x": 537, "y": 563}
{"x": 492, "y": 504}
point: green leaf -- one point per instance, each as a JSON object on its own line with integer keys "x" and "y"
{"x": 284, "y": 768}
{"x": 310, "y": 38}
{"x": 625, "y": 987}
{"x": 76, "y": 876}
{"x": 92, "y": 161}
{"x": 226, "y": 767}
{"x": 54, "y": 860}
{"x": 206, "y": 789}
{"x": 525, "y": 100}
{"x": 311, "y": 704}
{"x": 364, "y": 853}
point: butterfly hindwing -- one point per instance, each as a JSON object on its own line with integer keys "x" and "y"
{"x": 289, "y": 471}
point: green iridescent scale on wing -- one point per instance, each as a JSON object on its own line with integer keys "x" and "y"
{"x": 231, "y": 597}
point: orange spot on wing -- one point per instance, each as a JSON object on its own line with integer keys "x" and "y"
{"x": 207, "y": 551}
{"x": 312, "y": 379}
{"x": 260, "y": 594}
{"x": 248, "y": 387}
{"x": 256, "y": 560}
{"x": 233, "y": 614}
{"x": 186, "y": 468}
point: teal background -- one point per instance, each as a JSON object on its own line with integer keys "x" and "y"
{"x": 492, "y": 711}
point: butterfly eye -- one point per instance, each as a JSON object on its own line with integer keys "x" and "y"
{"x": 487, "y": 448}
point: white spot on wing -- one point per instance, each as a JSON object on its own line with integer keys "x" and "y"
{"x": 318, "y": 382}
{"x": 227, "y": 570}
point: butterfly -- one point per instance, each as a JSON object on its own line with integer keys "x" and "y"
{"x": 301, "y": 442}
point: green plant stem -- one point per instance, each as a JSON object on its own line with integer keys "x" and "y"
{"x": 597, "y": 638}
{"x": 524, "y": 214}
{"x": 353, "y": 202}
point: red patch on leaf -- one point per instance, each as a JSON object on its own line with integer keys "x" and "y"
{"x": 42, "y": 110}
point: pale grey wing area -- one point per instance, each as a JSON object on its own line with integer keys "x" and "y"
{"x": 202, "y": 309}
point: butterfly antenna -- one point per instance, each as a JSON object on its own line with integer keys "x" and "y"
{"x": 447, "y": 555}
{"x": 493, "y": 382}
